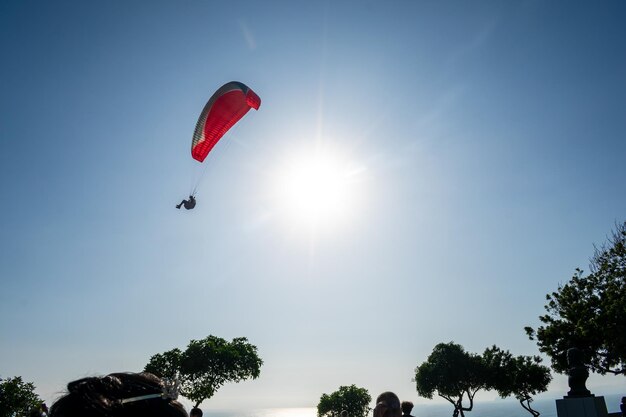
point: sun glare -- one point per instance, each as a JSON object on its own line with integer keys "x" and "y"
{"x": 316, "y": 190}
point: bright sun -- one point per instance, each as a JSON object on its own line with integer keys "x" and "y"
{"x": 317, "y": 189}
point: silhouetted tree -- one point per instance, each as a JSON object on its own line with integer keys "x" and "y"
{"x": 166, "y": 364}
{"x": 206, "y": 365}
{"x": 351, "y": 398}
{"x": 521, "y": 376}
{"x": 589, "y": 313}
{"x": 452, "y": 373}
{"x": 17, "y": 397}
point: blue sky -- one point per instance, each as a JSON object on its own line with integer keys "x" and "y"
{"x": 480, "y": 150}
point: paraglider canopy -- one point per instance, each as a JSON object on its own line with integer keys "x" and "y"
{"x": 225, "y": 108}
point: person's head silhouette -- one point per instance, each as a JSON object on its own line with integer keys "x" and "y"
{"x": 387, "y": 405}
{"x": 119, "y": 395}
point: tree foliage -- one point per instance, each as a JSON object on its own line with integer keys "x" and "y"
{"x": 166, "y": 364}
{"x": 589, "y": 313}
{"x": 351, "y": 398}
{"x": 206, "y": 365}
{"x": 17, "y": 397}
{"x": 520, "y": 376}
{"x": 453, "y": 374}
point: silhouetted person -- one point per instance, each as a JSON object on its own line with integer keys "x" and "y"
{"x": 119, "y": 395}
{"x": 622, "y": 406}
{"x": 387, "y": 405}
{"x": 406, "y": 406}
{"x": 188, "y": 204}
{"x": 195, "y": 412}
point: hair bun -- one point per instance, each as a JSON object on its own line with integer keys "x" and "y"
{"x": 102, "y": 385}
{"x": 81, "y": 385}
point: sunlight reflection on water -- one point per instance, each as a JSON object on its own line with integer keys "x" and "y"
{"x": 267, "y": 412}
{"x": 287, "y": 412}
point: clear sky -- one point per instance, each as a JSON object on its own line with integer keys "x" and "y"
{"x": 418, "y": 172}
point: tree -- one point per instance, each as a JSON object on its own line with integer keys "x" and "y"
{"x": 17, "y": 397}
{"x": 206, "y": 365}
{"x": 589, "y": 313}
{"x": 521, "y": 376}
{"x": 453, "y": 373}
{"x": 166, "y": 364}
{"x": 353, "y": 399}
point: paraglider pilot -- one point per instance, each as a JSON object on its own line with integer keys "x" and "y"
{"x": 188, "y": 204}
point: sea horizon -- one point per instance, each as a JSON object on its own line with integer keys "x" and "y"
{"x": 496, "y": 408}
